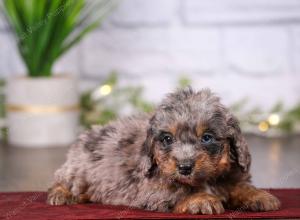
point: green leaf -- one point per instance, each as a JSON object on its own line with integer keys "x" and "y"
{"x": 184, "y": 82}
{"x": 278, "y": 107}
{"x": 46, "y": 29}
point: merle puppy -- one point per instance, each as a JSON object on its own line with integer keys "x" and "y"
{"x": 189, "y": 156}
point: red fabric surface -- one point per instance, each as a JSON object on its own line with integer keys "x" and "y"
{"x": 31, "y": 205}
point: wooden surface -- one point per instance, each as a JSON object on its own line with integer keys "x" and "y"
{"x": 275, "y": 164}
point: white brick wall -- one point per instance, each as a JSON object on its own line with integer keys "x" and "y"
{"x": 10, "y": 62}
{"x": 295, "y": 41}
{"x": 145, "y": 13}
{"x": 151, "y": 51}
{"x": 240, "y": 11}
{"x": 247, "y": 48}
{"x": 2, "y": 23}
{"x": 70, "y": 63}
{"x": 257, "y": 50}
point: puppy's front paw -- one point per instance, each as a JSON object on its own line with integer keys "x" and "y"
{"x": 200, "y": 204}
{"x": 58, "y": 195}
{"x": 261, "y": 200}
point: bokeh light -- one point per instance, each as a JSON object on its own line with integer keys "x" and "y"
{"x": 274, "y": 119}
{"x": 263, "y": 126}
{"x": 105, "y": 89}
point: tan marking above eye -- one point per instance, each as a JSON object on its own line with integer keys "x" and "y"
{"x": 173, "y": 129}
{"x": 200, "y": 129}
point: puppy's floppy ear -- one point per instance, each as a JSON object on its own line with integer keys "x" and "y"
{"x": 238, "y": 145}
{"x": 147, "y": 162}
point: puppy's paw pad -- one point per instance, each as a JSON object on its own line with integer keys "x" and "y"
{"x": 206, "y": 205}
{"x": 262, "y": 201}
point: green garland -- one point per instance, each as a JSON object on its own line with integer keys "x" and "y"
{"x": 107, "y": 101}
{"x": 277, "y": 120}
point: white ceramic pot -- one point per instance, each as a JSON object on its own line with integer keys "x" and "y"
{"x": 42, "y": 112}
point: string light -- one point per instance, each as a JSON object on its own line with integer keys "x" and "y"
{"x": 105, "y": 89}
{"x": 101, "y": 91}
{"x": 274, "y": 119}
{"x": 263, "y": 126}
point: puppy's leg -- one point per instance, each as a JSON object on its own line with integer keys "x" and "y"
{"x": 200, "y": 203}
{"x": 246, "y": 197}
{"x": 60, "y": 195}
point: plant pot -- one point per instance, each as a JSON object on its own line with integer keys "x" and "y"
{"x": 42, "y": 112}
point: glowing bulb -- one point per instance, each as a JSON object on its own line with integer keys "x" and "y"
{"x": 274, "y": 119}
{"x": 263, "y": 126}
{"x": 100, "y": 92}
{"x": 105, "y": 89}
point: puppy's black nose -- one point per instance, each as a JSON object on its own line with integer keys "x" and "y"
{"x": 185, "y": 168}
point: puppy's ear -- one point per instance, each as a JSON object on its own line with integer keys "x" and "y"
{"x": 238, "y": 146}
{"x": 147, "y": 162}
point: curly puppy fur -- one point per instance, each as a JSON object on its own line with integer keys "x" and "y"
{"x": 189, "y": 156}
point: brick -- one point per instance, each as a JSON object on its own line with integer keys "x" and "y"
{"x": 238, "y": 12}
{"x": 295, "y": 34}
{"x": 257, "y": 50}
{"x": 10, "y": 61}
{"x": 3, "y": 24}
{"x": 196, "y": 50}
{"x": 150, "y": 51}
{"x": 3, "y": 55}
{"x": 69, "y": 63}
{"x": 140, "y": 12}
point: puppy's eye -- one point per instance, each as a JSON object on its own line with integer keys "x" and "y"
{"x": 207, "y": 139}
{"x": 167, "y": 139}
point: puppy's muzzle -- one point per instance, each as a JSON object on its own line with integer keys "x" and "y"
{"x": 185, "y": 168}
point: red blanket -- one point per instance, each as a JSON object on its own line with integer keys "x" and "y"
{"x": 31, "y": 205}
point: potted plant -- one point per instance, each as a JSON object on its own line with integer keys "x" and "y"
{"x": 42, "y": 107}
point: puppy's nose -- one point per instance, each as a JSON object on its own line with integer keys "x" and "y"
{"x": 185, "y": 168}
